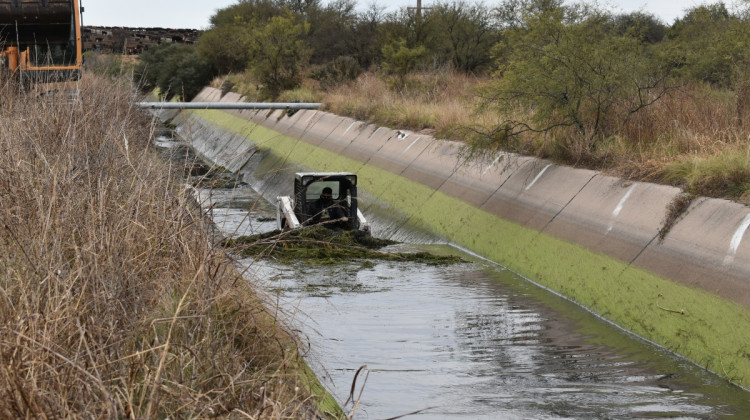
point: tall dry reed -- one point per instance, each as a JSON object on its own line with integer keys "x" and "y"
{"x": 113, "y": 301}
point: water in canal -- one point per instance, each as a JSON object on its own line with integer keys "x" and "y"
{"x": 469, "y": 340}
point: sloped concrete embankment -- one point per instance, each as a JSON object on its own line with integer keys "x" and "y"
{"x": 589, "y": 237}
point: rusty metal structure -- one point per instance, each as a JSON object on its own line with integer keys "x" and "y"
{"x": 41, "y": 39}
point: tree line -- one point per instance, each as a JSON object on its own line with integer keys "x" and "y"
{"x": 573, "y": 66}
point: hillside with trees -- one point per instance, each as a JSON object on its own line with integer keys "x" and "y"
{"x": 625, "y": 93}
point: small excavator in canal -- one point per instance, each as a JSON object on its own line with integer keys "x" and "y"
{"x": 325, "y": 198}
{"x": 40, "y": 40}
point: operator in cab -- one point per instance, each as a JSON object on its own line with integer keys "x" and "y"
{"x": 328, "y": 211}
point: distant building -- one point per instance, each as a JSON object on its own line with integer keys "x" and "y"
{"x": 133, "y": 41}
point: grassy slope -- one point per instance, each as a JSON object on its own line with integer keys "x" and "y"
{"x": 706, "y": 333}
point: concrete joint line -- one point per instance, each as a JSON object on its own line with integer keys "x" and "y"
{"x": 307, "y": 126}
{"x": 413, "y": 160}
{"x": 379, "y": 148}
{"x": 631, "y": 262}
{"x": 435, "y": 191}
{"x": 507, "y": 168}
{"x": 373, "y": 133}
{"x": 307, "y": 122}
{"x": 334, "y": 129}
{"x": 244, "y": 164}
{"x": 640, "y": 252}
{"x": 568, "y": 203}
{"x": 453, "y": 172}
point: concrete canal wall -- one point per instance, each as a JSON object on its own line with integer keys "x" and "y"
{"x": 589, "y": 237}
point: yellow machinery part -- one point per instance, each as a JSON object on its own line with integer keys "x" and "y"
{"x": 36, "y": 33}
{"x": 12, "y": 56}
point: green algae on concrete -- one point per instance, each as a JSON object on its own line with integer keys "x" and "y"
{"x": 324, "y": 401}
{"x": 710, "y": 331}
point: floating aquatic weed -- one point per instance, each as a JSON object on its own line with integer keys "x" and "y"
{"x": 319, "y": 245}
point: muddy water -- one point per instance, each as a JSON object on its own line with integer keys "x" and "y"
{"x": 468, "y": 341}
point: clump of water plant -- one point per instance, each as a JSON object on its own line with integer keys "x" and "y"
{"x": 321, "y": 245}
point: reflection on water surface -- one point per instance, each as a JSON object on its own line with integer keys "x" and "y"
{"x": 470, "y": 341}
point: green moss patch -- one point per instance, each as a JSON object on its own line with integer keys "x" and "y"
{"x": 324, "y": 401}
{"x": 710, "y": 331}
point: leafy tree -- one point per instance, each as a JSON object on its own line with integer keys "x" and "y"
{"x": 706, "y": 44}
{"x": 300, "y": 7}
{"x": 227, "y": 42}
{"x": 247, "y": 11}
{"x": 332, "y": 31}
{"x": 227, "y": 46}
{"x": 336, "y": 30}
{"x": 401, "y": 24}
{"x": 176, "y": 69}
{"x": 646, "y": 27}
{"x": 456, "y": 33}
{"x": 108, "y": 65}
{"x": 277, "y": 53}
{"x": 461, "y": 34}
{"x": 565, "y": 67}
{"x": 335, "y": 72}
{"x": 367, "y": 48}
{"x": 399, "y": 59}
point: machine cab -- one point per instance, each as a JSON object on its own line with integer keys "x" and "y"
{"x": 308, "y": 192}
{"x": 311, "y": 206}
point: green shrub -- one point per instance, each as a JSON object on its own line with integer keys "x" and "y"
{"x": 277, "y": 54}
{"x": 176, "y": 69}
{"x": 340, "y": 70}
{"x": 726, "y": 174}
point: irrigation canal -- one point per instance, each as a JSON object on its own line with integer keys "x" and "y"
{"x": 471, "y": 340}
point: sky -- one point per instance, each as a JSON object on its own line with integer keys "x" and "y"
{"x": 195, "y": 14}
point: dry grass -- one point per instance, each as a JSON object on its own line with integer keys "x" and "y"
{"x": 441, "y": 103}
{"x": 113, "y": 301}
{"x": 695, "y": 138}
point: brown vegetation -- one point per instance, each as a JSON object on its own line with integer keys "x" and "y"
{"x": 574, "y": 83}
{"x": 114, "y": 303}
{"x": 694, "y": 137}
